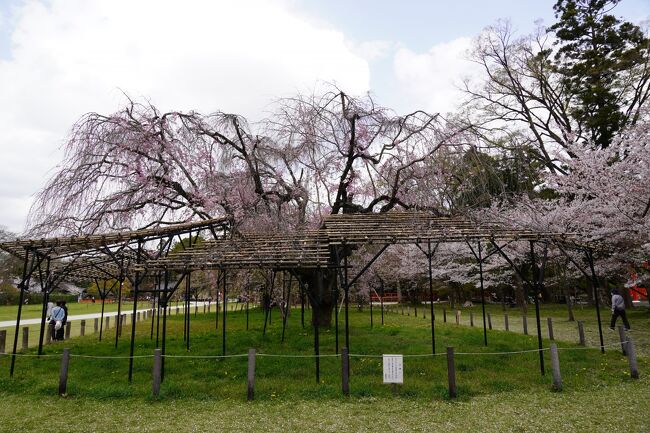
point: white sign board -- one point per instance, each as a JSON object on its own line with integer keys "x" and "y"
{"x": 393, "y": 369}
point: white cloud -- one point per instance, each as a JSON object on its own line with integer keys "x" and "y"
{"x": 431, "y": 79}
{"x": 69, "y": 57}
{"x": 373, "y": 50}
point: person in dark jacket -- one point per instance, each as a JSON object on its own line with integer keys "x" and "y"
{"x": 65, "y": 319}
{"x": 618, "y": 309}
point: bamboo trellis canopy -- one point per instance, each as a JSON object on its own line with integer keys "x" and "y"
{"x": 100, "y": 256}
{"x": 303, "y": 249}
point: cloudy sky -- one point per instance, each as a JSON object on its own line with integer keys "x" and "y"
{"x": 60, "y": 59}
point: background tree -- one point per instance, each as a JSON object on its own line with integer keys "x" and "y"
{"x": 584, "y": 84}
{"x": 603, "y": 61}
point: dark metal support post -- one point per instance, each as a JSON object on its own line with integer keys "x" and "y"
{"x": 381, "y": 300}
{"x": 223, "y": 322}
{"x": 536, "y": 283}
{"x": 336, "y": 315}
{"x": 315, "y": 319}
{"x": 432, "y": 313}
{"x": 136, "y": 287}
{"x": 24, "y": 282}
{"x": 187, "y": 326}
{"x": 480, "y": 270}
{"x": 164, "y": 324}
{"x": 286, "y": 308}
{"x": 101, "y": 320}
{"x": 347, "y": 301}
{"x": 302, "y": 303}
{"x": 595, "y": 285}
{"x": 46, "y": 299}
{"x": 119, "y": 311}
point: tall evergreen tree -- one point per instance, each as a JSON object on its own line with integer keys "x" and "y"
{"x": 604, "y": 64}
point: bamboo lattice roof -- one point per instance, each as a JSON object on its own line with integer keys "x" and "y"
{"x": 305, "y": 249}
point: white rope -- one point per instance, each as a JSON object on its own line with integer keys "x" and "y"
{"x": 206, "y": 356}
{"x": 332, "y": 355}
{"x": 502, "y": 353}
{"x": 272, "y": 355}
{"x": 29, "y": 355}
{"x": 110, "y": 357}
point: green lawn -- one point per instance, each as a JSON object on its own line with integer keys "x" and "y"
{"x": 496, "y": 393}
{"x": 8, "y": 312}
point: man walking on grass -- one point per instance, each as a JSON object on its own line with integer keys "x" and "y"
{"x": 618, "y": 309}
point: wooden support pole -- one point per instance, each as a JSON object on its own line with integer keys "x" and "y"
{"x": 524, "y": 323}
{"x": 550, "y": 328}
{"x": 345, "y": 372}
{"x": 63, "y": 373}
{"x": 156, "y": 373}
{"x": 457, "y": 317}
{"x": 505, "y": 321}
{"x": 25, "y": 338}
{"x": 82, "y": 329}
{"x": 451, "y": 372}
{"x": 444, "y": 315}
{"x": 49, "y": 332}
{"x": 489, "y": 318}
{"x": 96, "y": 325}
{"x": 251, "y": 375}
{"x": 555, "y": 365}
{"x": 631, "y": 358}
{"x": 622, "y": 338}
{"x": 108, "y": 322}
{"x": 581, "y": 333}
{"x": 3, "y": 341}
{"x": 471, "y": 319}
{"x": 68, "y": 327}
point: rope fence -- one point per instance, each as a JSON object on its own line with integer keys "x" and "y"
{"x": 627, "y": 347}
{"x": 312, "y": 356}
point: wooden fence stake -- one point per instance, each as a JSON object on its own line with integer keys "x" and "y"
{"x": 550, "y": 328}
{"x": 68, "y": 327}
{"x": 505, "y": 320}
{"x": 489, "y": 321}
{"x": 451, "y": 372}
{"x": 96, "y": 326}
{"x": 581, "y": 333}
{"x": 25, "y": 338}
{"x": 49, "y": 331}
{"x": 251, "y": 375}
{"x": 82, "y": 329}
{"x": 63, "y": 374}
{"x": 108, "y": 322}
{"x": 555, "y": 365}
{"x": 3, "y": 340}
{"x": 631, "y": 358}
{"x": 157, "y": 367}
{"x": 471, "y": 319}
{"x": 457, "y": 317}
{"x": 622, "y": 337}
{"x": 444, "y": 315}
{"x": 524, "y": 323}
{"x": 209, "y": 303}
{"x": 345, "y": 371}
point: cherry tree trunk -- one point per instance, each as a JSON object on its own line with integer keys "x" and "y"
{"x": 520, "y": 294}
{"x": 321, "y": 286}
